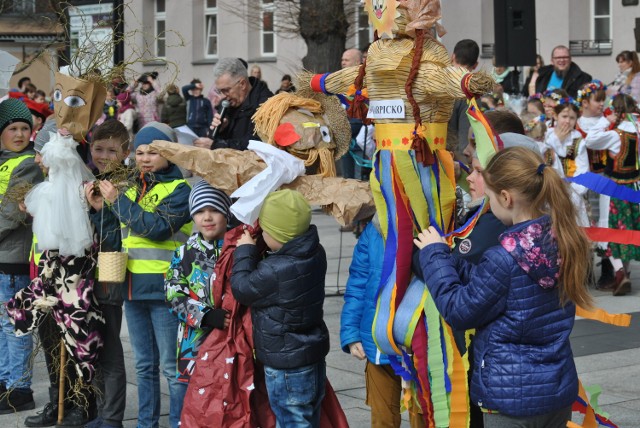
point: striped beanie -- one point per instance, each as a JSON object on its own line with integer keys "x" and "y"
{"x": 204, "y": 195}
{"x": 154, "y": 131}
{"x": 12, "y": 111}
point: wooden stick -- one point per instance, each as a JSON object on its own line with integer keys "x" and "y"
{"x": 63, "y": 363}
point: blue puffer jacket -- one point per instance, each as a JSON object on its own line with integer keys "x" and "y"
{"x": 359, "y": 307}
{"x": 523, "y": 364}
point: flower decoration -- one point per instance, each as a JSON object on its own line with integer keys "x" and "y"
{"x": 590, "y": 88}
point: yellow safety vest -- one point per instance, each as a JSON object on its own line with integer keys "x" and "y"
{"x": 36, "y": 252}
{"x": 147, "y": 256}
{"x": 6, "y": 169}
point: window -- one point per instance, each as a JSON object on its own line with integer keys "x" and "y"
{"x": 601, "y": 29}
{"x": 211, "y": 28}
{"x": 161, "y": 35}
{"x": 18, "y": 6}
{"x": 268, "y": 35}
{"x": 364, "y": 35}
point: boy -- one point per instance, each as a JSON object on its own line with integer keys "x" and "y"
{"x": 286, "y": 292}
{"x": 17, "y": 170}
{"x": 187, "y": 286}
{"x": 199, "y": 110}
{"x": 154, "y": 214}
{"x": 109, "y": 148}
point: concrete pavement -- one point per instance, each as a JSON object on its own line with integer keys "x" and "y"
{"x": 605, "y": 355}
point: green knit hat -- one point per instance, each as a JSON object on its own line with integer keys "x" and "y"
{"x": 285, "y": 215}
{"x": 13, "y": 110}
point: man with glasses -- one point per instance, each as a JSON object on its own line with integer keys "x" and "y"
{"x": 244, "y": 94}
{"x": 561, "y": 73}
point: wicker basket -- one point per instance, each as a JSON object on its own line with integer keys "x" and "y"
{"x": 112, "y": 266}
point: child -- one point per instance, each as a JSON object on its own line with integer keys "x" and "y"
{"x": 521, "y": 295}
{"x": 146, "y": 99}
{"x": 109, "y": 148}
{"x": 621, "y": 146}
{"x": 534, "y": 105}
{"x": 126, "y": 113}
{"x": 154, "y": 214}
{"x": 549, "y": 100}
{"x": 384, "y": 387}
{"x": 591, "y": 98}
{"x": 199, "y": 110}
{"x": 286, "y": 292}
{"x": 567, "y": 152}
{"x": 534, "y": 126}
{"x": 17, "y": 170}
{"x": 187, "y": 286}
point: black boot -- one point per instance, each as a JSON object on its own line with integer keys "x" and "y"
{"x": 607, "y": 276}
{"x": 49, "y": 415}
{"x": 16, "y": 400}
{"x": 77, "y": 417}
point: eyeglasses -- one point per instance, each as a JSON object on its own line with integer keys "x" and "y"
{"x": 226, "y": 91}
{"x": 562, "y": 58}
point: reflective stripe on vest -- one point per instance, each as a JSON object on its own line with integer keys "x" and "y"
{"x": 6, "y": 169}
{"x": 36, "y": 252}
{"x": 147, "y": 255}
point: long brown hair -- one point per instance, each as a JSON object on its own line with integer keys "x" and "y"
{"x": 516, "y": 169}
{"x": 623, "y": 104}
{"x": 631, "y": 57}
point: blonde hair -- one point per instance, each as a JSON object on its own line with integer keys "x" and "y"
{"x": 519, "y": 169}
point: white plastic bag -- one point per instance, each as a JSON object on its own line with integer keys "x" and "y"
{"x": 58, "y": 205}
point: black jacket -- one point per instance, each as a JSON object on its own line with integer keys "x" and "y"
{"x": 572, "y": 82}
{"x": 285, "y": 292}
{"x": 240, "y": 129}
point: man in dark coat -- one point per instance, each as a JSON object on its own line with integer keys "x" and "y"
{"x": 244, "y": 94}
{"x": 561, "y": 73}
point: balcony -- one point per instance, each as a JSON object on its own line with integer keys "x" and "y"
{"x": 590, "y": 47}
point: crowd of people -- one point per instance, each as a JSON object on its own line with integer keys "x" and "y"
{"x": 174, "y": 292}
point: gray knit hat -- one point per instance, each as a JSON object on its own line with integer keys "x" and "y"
{"x": 154, "y": 131}
{"x": 204, "y": 195}
{"x": 12, "y": 111}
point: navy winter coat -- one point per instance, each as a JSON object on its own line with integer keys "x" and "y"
{"x": 285, "y": 292}
{"x": 523, "y": 364}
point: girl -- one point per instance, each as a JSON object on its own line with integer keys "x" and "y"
{"x": 521, "y": 296}
{"x": 549, "y": 101}
{"x": 566, "y": 152}
{"x": 621, "y": 167}
{"x": 534, "y": 105}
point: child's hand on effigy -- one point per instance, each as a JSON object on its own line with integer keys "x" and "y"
{"x": 246, "y": 239}
{"x": 427, "y": 237}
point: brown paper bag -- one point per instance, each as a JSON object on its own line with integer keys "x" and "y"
{"x": 78, "y": 104}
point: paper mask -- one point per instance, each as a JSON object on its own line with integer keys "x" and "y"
{"x": 77, "y": 104}
{"x": 382, "y": 15}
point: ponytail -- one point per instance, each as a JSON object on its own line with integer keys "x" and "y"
{"x": 523, "y": 171}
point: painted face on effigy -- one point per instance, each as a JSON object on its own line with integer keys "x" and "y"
{"x": 78, "y": 103}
